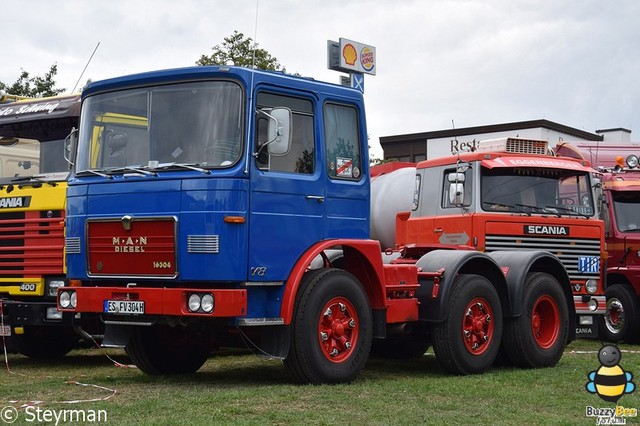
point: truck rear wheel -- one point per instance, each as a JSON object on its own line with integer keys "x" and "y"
{"x": 467, "y": 342}
{"x": 537, "y": 338}
{"x": 45, "y": 341}
{"x": 331, "y": 330}
{"x": 161, "y": 349}
{"x": 621, "y": 321}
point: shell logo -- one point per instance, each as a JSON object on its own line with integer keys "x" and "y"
{"x": 349, "y": 54}
{"x": 367, "y": 58}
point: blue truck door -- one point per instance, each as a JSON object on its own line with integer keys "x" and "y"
{"x": 347, "y": 172}
{"x": 287, "y": 194}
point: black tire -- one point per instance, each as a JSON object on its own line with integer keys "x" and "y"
{"x": 622, "y": 318}
{"x": 467, "y": 342}
{"x": 326, "y": 347}
{"x": 538, "y": 337}
{"x": 45, "y": 341}
{"x": 399, "y": 347}
{"x": 160, "y": 349}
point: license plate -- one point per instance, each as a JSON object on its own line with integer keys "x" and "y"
{"x": 5, "y": 330}
{"x": 126, "y": 307}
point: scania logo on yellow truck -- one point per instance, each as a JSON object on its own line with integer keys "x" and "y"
{"x": 13, "y": 202}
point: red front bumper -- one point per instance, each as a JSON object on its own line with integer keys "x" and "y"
{"x": 158, "y": 301}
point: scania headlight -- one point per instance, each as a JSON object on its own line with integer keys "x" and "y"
{"x": 53, "y": 286}
{"x": 591, "y": 286}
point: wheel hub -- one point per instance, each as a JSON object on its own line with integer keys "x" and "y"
{"x": 338, "y": 329}
{"x": 477, "y": 326}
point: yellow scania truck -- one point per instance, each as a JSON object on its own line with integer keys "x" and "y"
{"x": 33, "y": 183}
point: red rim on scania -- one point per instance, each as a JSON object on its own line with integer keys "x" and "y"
{"x": 478, "y": 326}
{"x": 545, "y": 321}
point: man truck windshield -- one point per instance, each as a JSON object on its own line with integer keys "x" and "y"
{"x": 197, "y": 123}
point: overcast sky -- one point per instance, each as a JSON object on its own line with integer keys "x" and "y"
{"x": 475, "y": 62}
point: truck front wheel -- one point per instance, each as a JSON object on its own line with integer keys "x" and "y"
{"x": 161, "y": 349}
{"x": 468, "y": 341}
{"x": 621, "y": 321}
{"x": 537, "y": 338}
{"x": 331, "y": 328}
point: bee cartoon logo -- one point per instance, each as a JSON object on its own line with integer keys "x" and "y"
{"x": 610, "y": 381}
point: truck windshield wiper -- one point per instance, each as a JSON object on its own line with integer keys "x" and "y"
{"x": 506, "y": 207}
{"x": 135, "y": 169}
{"x": 539, "y": 209}
{"x": 189, "y": 166}
{"x": 568, "y": 211}
{"x": 32, "y": 180}
{"x": 95, "y": 172}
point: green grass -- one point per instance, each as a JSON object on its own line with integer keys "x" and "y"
{"x": 239, "y": 388}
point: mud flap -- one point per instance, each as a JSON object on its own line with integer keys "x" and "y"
{"x": 117, "y": 336}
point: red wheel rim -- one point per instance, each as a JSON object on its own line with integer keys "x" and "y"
{"x": 478, "y": 326}
{"x": 545, "y": 321}
{"x": 338, "y": 329}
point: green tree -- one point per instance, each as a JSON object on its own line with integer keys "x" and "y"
{"x": 240, "y": 50}
{"x": 34, "y": 87}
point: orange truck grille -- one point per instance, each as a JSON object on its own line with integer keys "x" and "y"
{"x": 31, "y": 243}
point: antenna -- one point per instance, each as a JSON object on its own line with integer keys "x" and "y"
{"x": 253, "y": 70}
{"x": 85, "y": 67}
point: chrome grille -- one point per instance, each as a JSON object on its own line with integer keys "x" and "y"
{"x": 568, "y": 250}
{"x": 72, "y": 245}
{"x": 203, "y": 244}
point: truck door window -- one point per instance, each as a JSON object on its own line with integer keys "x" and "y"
{"x": 343, "y": 143}
{"x": 301, "y": 155}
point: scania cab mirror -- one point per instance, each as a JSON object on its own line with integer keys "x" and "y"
{"x": 456, "y": 188}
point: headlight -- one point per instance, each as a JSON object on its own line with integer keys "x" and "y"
{"x": 207, "y": 303}
{"x": 73, "y": 300}
{"x": 593, "y": 305}
{"x": 632, "y": 161}
{"x": 591, "y": 286}
{"x": 194, "y": 302}
{"x": 53, "y": 286}
{"x": 65, "y": 299}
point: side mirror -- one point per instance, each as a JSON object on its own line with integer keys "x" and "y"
{"x": 279, "y": 131}
{"x": 70, "y": 145}
{"x": 456, "y": 188}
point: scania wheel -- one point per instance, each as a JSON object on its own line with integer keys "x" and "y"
{"x": 467, "y": 342}
{"x": 538, "y": 337}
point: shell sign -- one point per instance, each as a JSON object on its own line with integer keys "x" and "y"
{"x": 357, "y": 56}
